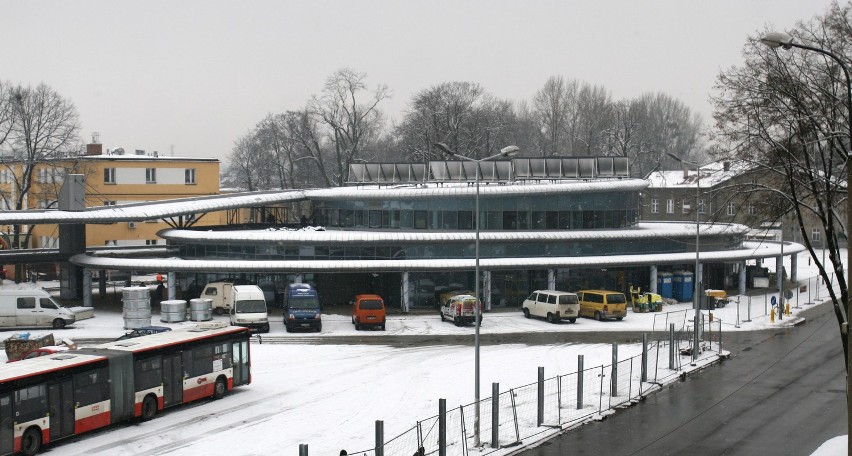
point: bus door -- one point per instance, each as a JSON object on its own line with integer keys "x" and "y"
{"x": 241, "y": 362}
{"x": 61, "y": 398}
{"x": 172, "y": 380}
{"x": 7, "y": 421}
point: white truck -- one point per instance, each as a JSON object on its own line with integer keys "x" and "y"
{"x": 33, "y": 307}
{"x": 248, "y": 308}
{"x": 221, "y": 295}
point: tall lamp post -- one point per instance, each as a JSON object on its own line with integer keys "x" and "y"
{"x": 775, "y": 40}
{"x": 507, "y": 151}
{"x": 696, "y": 284}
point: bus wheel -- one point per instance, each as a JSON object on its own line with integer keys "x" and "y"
{"x": 220, "y": 388}
{"x": 149, "y": 408}
{"x": 31, "y": 442}
{"x": 58, "y": 323}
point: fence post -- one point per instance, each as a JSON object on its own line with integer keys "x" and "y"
{"x": 579, "y": 382}
{"x": 613, "y": 390}
{"x": 495, "y": 415}
{"x": 442, "y": 427}
{"x": 303, "y": 449}
{"x": 380, "y": 438}
{"x": 749, "y": 308}
{"x": 644, "y": 377}
{"x": 540, "y": 419}
{"x": 738, "y": 312}
{"x": 671, "y": 346}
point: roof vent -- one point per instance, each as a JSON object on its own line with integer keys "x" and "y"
{"x": 140, "y": 152}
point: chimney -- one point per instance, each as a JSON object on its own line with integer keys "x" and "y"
{"x": 685, "y": 172}
{"x": 94, "y": 149}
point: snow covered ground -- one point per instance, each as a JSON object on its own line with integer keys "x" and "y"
{"x": 329, "y": 395}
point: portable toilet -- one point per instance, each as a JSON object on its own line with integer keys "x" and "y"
{"x": 664, "y": 284}
{"x": 683, "y": 286}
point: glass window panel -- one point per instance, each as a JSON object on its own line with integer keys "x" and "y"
{"x": 434, "y": 220}
{"x": 494, "y": 220}
{"x": 538, "y": 220}
{"x": 420, "y": 220}
{"x": 523, "y": 220}
{"x": 510, "y": 220}
{"x": 450, "y": 220}
{"x": 465, "y": 220}
{"x": 406, "y": 219}
{"x": 552, "y": 220}
{"x": 375, "y": 219}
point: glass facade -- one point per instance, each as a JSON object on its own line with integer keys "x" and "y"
{"x": 606, "y": 210}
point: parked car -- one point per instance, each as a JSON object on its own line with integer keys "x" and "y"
{"x": 553, "y": 305}
{"x": 144, "y": 331}
{"x": 602, "y": 304}
{"x": 460, "y": 309}
{"x": 368, "y": 311}
{"x": 42, "y": 351}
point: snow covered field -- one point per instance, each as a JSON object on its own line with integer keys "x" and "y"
{"x": 329, "y": 395}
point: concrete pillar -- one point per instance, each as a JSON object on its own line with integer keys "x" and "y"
{"x": 742, "y": 282}
{"x": 653, "y": 285}
{"x": 102, "y": 282}
{"x": 551, "y": 279}
{"x": 172, "y": 278}
{"x": 404, "y": 293}
{"x": 87, "y": 287}
{"x": 486, "y": 288}
{"x": 794, "y": 264}
{"x": 72, "y": 237}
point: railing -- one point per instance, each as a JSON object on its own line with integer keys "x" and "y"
{"x": 510, "y": 417}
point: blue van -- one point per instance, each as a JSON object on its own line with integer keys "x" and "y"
{"x": 302, "y": 307}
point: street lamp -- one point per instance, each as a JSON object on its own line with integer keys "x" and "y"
{"x": 696, "y": 284}
{"x": 775, "y": 40}
{"x": 507, "y": 151}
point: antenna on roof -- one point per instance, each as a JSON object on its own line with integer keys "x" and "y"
{"x": 96, "y": 137}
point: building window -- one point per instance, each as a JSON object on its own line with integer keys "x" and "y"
{"x": 669, "y": 206}
{"x": 109, "y": 203}
{"x": 150, "y": 175}
{"x": 731, "y": 209}
{"x": 815, "y": 234}
{"x": 655, "y": 206}
{"x": 686, "y": 205}
{"x": 150, "y": 242}
{"x": 701, "y": 207}
{"x": 751, "y": 209}
{"x": 109, "y": 175}
{"x": 189, "y": 175}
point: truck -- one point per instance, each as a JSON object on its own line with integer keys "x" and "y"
{"x": 33, "y": 307}
{"x": 220, "y": 293}
{"x": 302, "y": 309}
{"x": 249, "y": 308}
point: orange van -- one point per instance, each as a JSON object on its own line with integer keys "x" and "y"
{"x": 368, "y": 310}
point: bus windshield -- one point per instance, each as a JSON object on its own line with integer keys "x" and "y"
{"x": 253, "y": 306}
{"x": 304, "y": 302}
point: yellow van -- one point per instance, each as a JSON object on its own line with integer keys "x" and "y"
{"x": 602, "y": 304}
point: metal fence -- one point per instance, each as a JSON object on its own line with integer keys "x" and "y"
{"x": 509, "y": 417}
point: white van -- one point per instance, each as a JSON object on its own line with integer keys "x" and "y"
{"x": 32, "y": 307}
{"x": 552, "y": 305}
{"x": 221, "y": 294}
{"x": 249, "y": 308}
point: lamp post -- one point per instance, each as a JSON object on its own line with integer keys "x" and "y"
{"x": 775, "y": 40}
{"x": 507, "y": 151}
{"x": 695, "y": 281}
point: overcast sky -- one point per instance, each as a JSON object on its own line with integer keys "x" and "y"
{"x": 195, "y": 75}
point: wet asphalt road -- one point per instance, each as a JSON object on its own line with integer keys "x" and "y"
{"x": 782, "y": 392}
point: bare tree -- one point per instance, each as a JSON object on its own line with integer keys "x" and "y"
{"x": 554, "y": 110}
{"x": 785, "y": 117}
{"x": 351, "y": 117}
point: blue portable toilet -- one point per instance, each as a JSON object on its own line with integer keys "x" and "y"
{"x": 664, "y": 284}
{"x": 683, "y": 286}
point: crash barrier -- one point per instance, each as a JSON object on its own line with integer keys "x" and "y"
{"x": 510, "y": 417}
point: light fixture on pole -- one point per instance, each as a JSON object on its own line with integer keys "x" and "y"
{"x": 696, "y": 283}
{"x": 775, "y": 40}
{"x": 507, "y": 151}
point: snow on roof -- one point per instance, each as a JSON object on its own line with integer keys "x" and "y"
{"x": 749, "y": 250}
{"x": 317, "y": 236}
{"x": 710, "y": 175}
{"x": 448, "y": 189}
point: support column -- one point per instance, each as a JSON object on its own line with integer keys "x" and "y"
{"x": 72, "y": 237}
{"x": 405, "y": 297}
{"x": 653, "y": 286}
{"x": 486, "y": 289}
{"x": 172, "y": 278}
{"x": 551, "y": 279}
{"x": 87, "y": 287}
{"x": 794, "y": 264}
{"x": 297, "y": 278}
{"x": 742, "y": 281}
{"x": 779, "y": 274}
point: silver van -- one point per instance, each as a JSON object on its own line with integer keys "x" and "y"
{"x": 552, "y": 305}
{"x": 33, "y": 307}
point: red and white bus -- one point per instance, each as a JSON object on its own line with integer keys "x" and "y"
{"x": 52, "y": 397}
